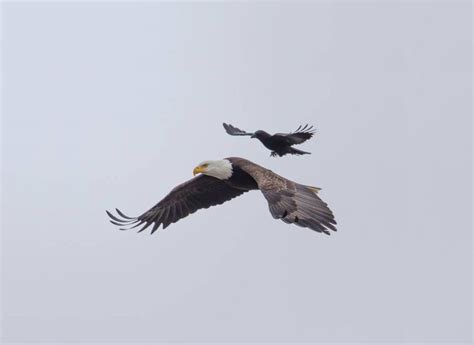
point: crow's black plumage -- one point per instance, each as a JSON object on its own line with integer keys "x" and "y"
{"x": 280, "y": 143}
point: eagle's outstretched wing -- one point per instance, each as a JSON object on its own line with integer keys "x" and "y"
{"x": 234, "y": 130}
{"x": 291, "y": 202}
{"x": 200, "y": 192}
{"x": 299, "y": 136}
{"x": 300, "y": 205}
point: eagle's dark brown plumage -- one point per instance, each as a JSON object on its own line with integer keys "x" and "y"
{"x": 226, "y": 179}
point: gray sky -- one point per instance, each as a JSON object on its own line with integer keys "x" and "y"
{"x": 113, "y": 104}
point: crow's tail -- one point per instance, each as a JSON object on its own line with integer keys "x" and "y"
{"x": 294, "y": 151}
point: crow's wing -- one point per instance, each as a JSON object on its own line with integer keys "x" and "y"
{"x": 234, "y": 130}
{"x": 297, "y": 137}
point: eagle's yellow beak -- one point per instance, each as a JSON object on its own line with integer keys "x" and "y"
{"x": 198, "y": 169}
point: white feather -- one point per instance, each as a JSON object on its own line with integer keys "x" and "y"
{"x": 221, "y": 169}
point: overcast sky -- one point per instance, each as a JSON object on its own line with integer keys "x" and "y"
{"x": 113, "y": 104}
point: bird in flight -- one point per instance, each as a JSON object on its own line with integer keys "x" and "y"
{"x": 219, "y": 181}
{"x": 280, "y": 143}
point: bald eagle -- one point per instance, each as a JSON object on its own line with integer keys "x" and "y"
{"x": 222, "y": 180}
{"x": 280, "y": 143}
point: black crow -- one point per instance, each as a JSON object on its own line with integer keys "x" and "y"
{"x": 280, "y": 143}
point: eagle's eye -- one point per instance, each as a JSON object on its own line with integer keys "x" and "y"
{"x": 205, "y": 165}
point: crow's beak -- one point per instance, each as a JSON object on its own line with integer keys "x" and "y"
{"x": 253, "y": 136}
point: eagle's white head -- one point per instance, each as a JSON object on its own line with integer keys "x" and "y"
{"x": 221, "y": 169}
